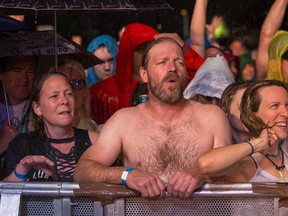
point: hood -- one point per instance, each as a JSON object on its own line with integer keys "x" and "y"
{"x": 277, "y": 47}
{"x": 133, "y": 36}
{"x": 211, "y": 79}
{"x": 111, "y": 44}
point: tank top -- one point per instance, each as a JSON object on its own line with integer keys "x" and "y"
{"x": 263, "y": 176}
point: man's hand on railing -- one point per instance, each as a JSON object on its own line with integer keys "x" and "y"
{"x": 184, "y": 182}
{"x": 148, "y": 184}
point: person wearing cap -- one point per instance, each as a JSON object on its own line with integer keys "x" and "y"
{"x": 210, "y": 81}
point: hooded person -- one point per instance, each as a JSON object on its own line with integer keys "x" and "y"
{"x": 278, "y": 55}
{"x": 102, "y": 41}
{"x": 210, "y": 81}
{"x": 119, "y": 91}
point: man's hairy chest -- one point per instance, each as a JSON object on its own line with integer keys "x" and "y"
{"x": 166, "y": 149}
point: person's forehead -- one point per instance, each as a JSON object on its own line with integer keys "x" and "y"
{"x": 55, "y": 82}
{"x": 269, "y": 93}
{"x": 101, "y": 51}
{"x": 164, "y": 46}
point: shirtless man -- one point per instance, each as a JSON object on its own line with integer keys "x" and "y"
{"x": 161, "y": 138}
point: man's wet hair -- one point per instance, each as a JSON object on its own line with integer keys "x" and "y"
{"x": 151, "y": 44}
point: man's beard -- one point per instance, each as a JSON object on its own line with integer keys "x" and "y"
{"x": 173, "y": 94}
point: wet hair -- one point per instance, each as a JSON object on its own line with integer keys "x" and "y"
{"x": 36, "y": 94}
{"x": 285, "y": 55}
{"x": 152, "y": 43}
{"x": 250, "y": 104}
{"x": 229, "y": 93}
{"x": 142, "y": 47}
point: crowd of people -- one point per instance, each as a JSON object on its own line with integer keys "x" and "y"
{"x": 212, "y": 114}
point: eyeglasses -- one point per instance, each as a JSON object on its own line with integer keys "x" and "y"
{"x": 78, "y": 84}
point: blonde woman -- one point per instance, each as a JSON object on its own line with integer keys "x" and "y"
{"x": 75, "y": 73}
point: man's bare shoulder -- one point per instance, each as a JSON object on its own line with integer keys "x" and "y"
{"x": 124, "y": 115}
{"x": 124, "y": 112}
{"x": 207, "y": 109}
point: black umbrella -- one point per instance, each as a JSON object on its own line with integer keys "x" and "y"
{"x": 42, "y": 44}
{"x": 26, "y": 6}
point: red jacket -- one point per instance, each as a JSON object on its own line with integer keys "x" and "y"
{"x": 116, "y": 92}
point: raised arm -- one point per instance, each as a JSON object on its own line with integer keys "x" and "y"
{"x": 269, "y": 27}
{"x": 197, "y": 27}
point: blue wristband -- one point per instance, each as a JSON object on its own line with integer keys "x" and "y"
{"x": 18, "y": 175}
{"x": 125, "y": 174}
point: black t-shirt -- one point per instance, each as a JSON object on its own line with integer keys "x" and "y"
{"x": 31, "y": 144}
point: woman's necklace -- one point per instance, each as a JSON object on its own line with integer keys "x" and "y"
{"x": 279, "y": 168}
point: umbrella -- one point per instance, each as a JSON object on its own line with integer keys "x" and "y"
{"x": 9, "y": 24}
{"x": 22, "y": 6}
{"x": 42, "y": 43}
{"x": 67, "y": 5}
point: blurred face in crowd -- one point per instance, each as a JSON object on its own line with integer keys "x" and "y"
{"x": 77, "y": 82}
{"x": 234, "y": 112}
{"x": 248, "y": 72}
{"x": 212, "y": 52}
{"x": 237, "y": 48}
{"x": 18, "y": 76}
{"x": 273, "y": 109}
{"x": 56, "y": 103}
{"x": 104, "y": 69}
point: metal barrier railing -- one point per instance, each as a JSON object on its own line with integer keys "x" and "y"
{"x": 55, "y": 198}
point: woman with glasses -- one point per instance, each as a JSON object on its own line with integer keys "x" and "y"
{"x": 51, "y": 151}
{"x": 75, "y": 73}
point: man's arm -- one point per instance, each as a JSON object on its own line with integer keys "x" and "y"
{"x": 269, "y": 27}
{"x": 95, "y": 164}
